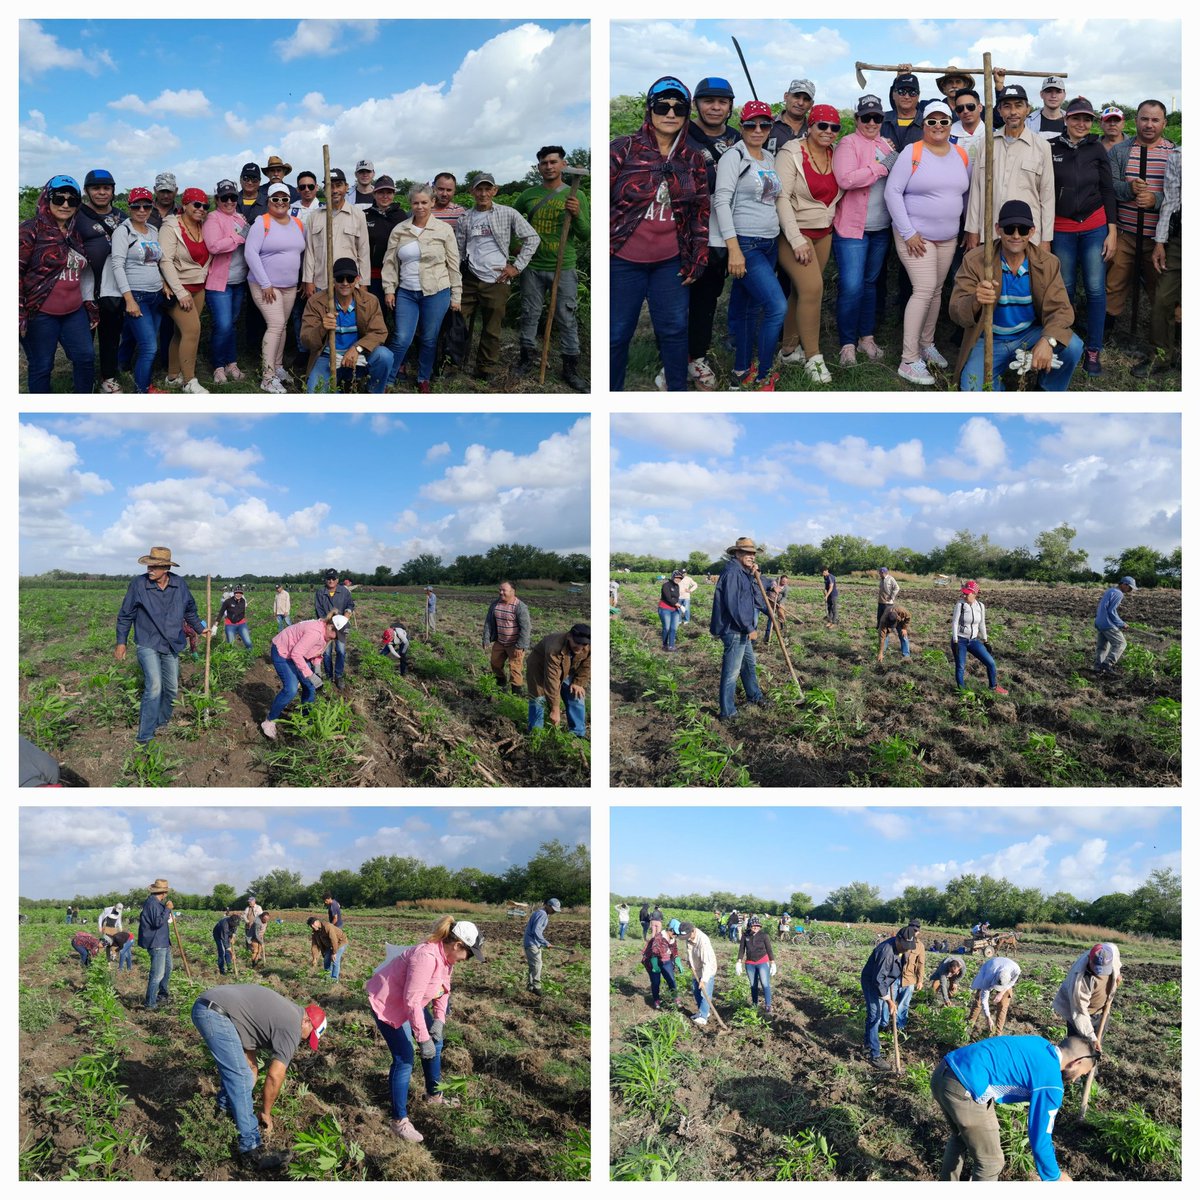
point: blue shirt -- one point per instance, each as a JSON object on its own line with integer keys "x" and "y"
{"x": 156, "y": 614}
{"x": 340, "y": 602}
{"x": 1014, "y": 310}
{"x": 1106, "y": 613}
{"x": 736, "y": 601}
{"x": 335, "y": 912}
{"x": 535, "y": 930}
{"x": 430, "y": 602}
{"x": 882, "y": 969}
{"x": 831, "y": 584}
{"x": 153, "y": 931}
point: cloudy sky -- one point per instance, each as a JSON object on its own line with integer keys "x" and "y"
{"x": 269, "y": 494}
{"x": 1085, "y": 851}
{"x": 912, "y": 480}
{"x": 82, "y": 851}
{"x": 415, "y": 97}
{"x": 1126, "y": 61}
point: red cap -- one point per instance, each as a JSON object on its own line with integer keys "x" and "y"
{"x": 970, "y": 588}
{"x": 193, "y": 194}
{"x": 140, "y": 193}
{"x": 824, "y": 112}
{"x": 316, "y": 1017}
{"x": 755, "y": 108}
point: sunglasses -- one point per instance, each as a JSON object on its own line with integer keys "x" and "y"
{"x": 907, "y": 91}
{"x": 871, "y": 118}
{"x": 961, "y": 108}
{"x": 307, "y": 187}
{"x": 828, "y": 126}
{"x": 938, "y": 122}
{"x": 1015, "y": 230}
{"x": 759, "y": 126}
{"x": 68, "y": 198}
{"x": 198, "y": 204}
{"x": 665, "y": 108}
{"x": 141, "y": 204}
{"x": 280, "y": 200}
{"x": 227, "y": 199}
{"x": 344, "y": 278}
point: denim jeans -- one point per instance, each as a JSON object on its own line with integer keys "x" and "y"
{"x": 645, "y": 929}
{"x": 283, "y": 621}
{"x": 292, "y": 680}
{"x": 224, "y": 955}
{"x": 904, "y": 647}
{"x": 859, "y": 261}
{"x": 337, "y": 647}
{"x": 224, "y": 308}
{"x": 665, "y": 971}
{"x": 430, "y": 311}
{"x": 378, "y": 371}
{"x": 125, "y": 957}
{"x": 903, "y": 997}
{"x": 158, "y": 984}
{"x": 142, "y": 334}
{"x": 333, "y": 962}
{"x": 661, "y": 288}
{"x": 737, "y": 662}
{"x": 756, "y": 295}
{"x": 236, "y": 1094}
{"x": 876, "y": 1007}
{"x": 160, "y": 674}
{"x": 669, "y": 620}
{"x": 685, "y": 605}
{"x": 535, "y": 288}
{"x": 702, "y": 995}
{"x": 400, "y": 1043}
{"x": 976, "y": 649}
{"x": 239, "y": 631}
{"x": 44, "y": 333}
{"x": 1056, "y": 380}
{"x": 85, "y": 956}
{"x": 621, "y": 927}
{"x": 576, "y": 712}
{"x": 759, "y": 975}
{"x": 1080, "y": 254}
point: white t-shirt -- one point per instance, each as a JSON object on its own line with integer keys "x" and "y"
{"x": 409, "y": 256}
{"x": 485, "y": 256}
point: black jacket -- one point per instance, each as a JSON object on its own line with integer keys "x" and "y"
{"x": 379, "y": 229}
{"x": 97, "y": 231}
{"x": 711, "y": 148}
{"x": 670, "y": 593}
{"x": 882, "y": 969}
{"x": 234, "y": 608}
{"x": 1083, "y": 179}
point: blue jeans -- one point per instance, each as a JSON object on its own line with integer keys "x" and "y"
{"x": 661, "y": 288}
{"x": 430, "y": 311}
{"x": 141, "y": 333}
{"x": 757, "y": 294}
{"x": 1080, "y": 254}
{"x": 1003, "y": 349}
{"x": 158, "y": 985}
{"x": 702, "y": 995}
{"x": 239, "y": 631}
{"x": 224, "y": 308}
{"x": 224, "y": 955}
{"x": 327, "y": 665}
{"x": 282, "y": 620}
{"x": 759, "y": 975}
{"x": 859, "y": 261}
{"x": 903, "y": 997}
{"x": 125, "y": 957}
{"x": 160, "y": 673}
{"x": 236, "y": 1094}
{"x": 333, "y": 962}
{"x": 737, "y": 662}
{"x": 685, "y": 605}
{"x": 84, "y": 955}
{"x": 976, "y": 649}
{"x": 576, "y": 712}
{"x": 669, "y": 619}
{"x": 876, "y": 1007}
{"x": 43, "y": 333}
{"x": 400, "y": 1043}
{"x": 378, "y": 371}
{"x": 621, "y": 927}
{"x": 904, "y": 647}
{"x": 665, "y": 971}
{"x": 292, "y": 680}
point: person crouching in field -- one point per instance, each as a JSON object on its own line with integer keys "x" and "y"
{"x": 394, "y": 643}
{"x": 895, "y": 620}
{"x": 997, "y": 975}
{"x": 944, "y": 981}
{"x": 329, "y": 944}
{"x": 410, "y": 999}
{"x": 122, "y": 943}
{"x": 1094, "y": 976}
{"x": 224, "y": 931}
{"x": 968, "y": 635}
{"x": 292, "y": 651}
{"x": 559, "y": 668}
{"x": 85, "y": 945}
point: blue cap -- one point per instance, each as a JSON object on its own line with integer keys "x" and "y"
{"x": 63, "y": 181}
{"x": 1130, "y": 582}
{"x": 667, "y": 84}
{"x": 98, "y": 176}
{"x": 713, "y": 86}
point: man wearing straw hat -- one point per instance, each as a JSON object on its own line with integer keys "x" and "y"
{"x": 154, "y": 936}
{"x": 155, "y": 607}
{"x": 737, "y": 601}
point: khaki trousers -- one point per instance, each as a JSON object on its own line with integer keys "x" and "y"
{"x": 802, "y": 325}
{"x": 974, "y": 1130}
{"x": 181, "y": 354}
{"x": 508, "y": 665}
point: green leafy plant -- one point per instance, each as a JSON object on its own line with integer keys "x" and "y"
{"x": 322, "y": 1152}
{"x": 1050, "y": 760}
{"x": 948, "y": 1026}
{"x": 148, "y": 766}
{"x": 972, "y": 708}
{"x": 900, "y": 758}
{"x": 919, "y": 1076}
{"x": 650, "y": 1161}
{"x": 1014, "y": 1141}
{"x": 1139, "y": 663}
{"x": 574, "y": 1161}
{"x": 805, "y": 1156}
{"x": 1133, "y": 1136}
{"x": 48, "y": 716}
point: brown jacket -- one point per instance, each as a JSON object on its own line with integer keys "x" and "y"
{"x": 1050, "y": 300}
{"x": 550, "y": 662}
{"x": 913, "y": 970}
{"x": 372, "y": 330}
{"x": 329, "y": 939}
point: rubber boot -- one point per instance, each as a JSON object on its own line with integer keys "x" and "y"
{"x": 570, "y": 373}
{"x": 525, "y": 362}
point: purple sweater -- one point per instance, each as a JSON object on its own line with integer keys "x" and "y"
{"x": 929, "y": 200}
{"x": 274, "y": 256}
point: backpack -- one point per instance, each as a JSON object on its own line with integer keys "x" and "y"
{"x": 919, "y": 146}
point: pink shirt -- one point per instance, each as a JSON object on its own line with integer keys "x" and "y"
{"x": 300, "y": 642}
{"x": 222, "y": 235}
{"x": 399, "y": 991}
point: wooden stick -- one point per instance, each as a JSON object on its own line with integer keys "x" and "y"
{"x": 787, "y": 658}
{"x": 896, "y": 1040}
{"x": 208, "y": 638}
{"x": 1091, "y": 1075}
{"x": 562, "y": 245}
{"x": 333, "y": 383}
{"x": 182, "y": 951}
{"x": 988, "y": 175}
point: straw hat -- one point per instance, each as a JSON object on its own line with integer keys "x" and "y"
{"x": 159, "y": 556}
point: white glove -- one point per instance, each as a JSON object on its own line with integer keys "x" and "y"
{"x": 773, "y": 968}
{"x": 315, "y": 680}
{"x": 739, "y": 969}
{"x": 1022, "y": 362}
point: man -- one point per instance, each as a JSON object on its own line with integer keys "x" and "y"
{"x": 506, "y": 633}
{"x": 122, "y": 943}
{"x": 889, "y": 589}
{"x": 544, "y": 208}
{"x": 1022, "y": 170}
{"x": 968, "y": 131}
{"x": 902, "y": 122}
{"x": 1092, "y": 980}
{"x": 880, "y": 973}
{"x": 702, "y": 962}
{"x": 335, "y": 598}
{"x": 253, "y": 910}
{"x": 364, "y": 190}
{"x": 484, "y": 236}
{"x": 328, "y": 943}
{"x": 535, "y": 942}
{"x": 1031, "y": 314}
{"x": 283, "y": 607}
{"x": 276, "y": 170}
{"x": 382, "y": 215}
{"x": 239, "y": 1021}
{"x": 644, "y": 918}
{"x": 224, "y": 932}
{"x": 687, "y": 588}
{"x": 997, "y": 975}
{"x": 950, "y": 84}
{"x": 1110, "y": 641}
{"x": 912, "y": 973}
{"x": 981, "y": 929}
{"x": 355, "y": 317}
{"x": 1167, "y": 260}
{"x": 1112, "y": 127}
{"x": 1050, "y": 121}
{"x": 430, "y": 610}
{"x": 737, "y": 601}
{"x": 252, "y": 199}
{"x": 560, "y": 667}
{"x": 154, "y": 936}
{"x": 829, "y": 580}
{"x": 944, "y": 981}
{"x": 792, "y": 121}
{"x": 302, "y": 210}
{"x": 109, "y": 921}
{"x": 255, "y": 931}
{"x": 333, "y": 910}
{"x": 971, "y": 1081}
{"x": 95, "y": 223}
{"x": 155, "y": 607}
{"x": 350, "y": 238}
{"x": 444, "y": 208}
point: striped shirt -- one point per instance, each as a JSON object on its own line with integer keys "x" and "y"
{"x": 1014, "y": 311}
{"x": 449, "y": 214}
{"x": 506, "y": 623}
{"x": 1156, "y": 169}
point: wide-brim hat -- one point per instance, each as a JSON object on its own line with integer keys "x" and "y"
{"x": 158, "y": 887}
{"x": 744, "y": 545}
{"x": 159, "y": 556}
{"x": 276, "y": 161}
{"x": 941, "y": 79}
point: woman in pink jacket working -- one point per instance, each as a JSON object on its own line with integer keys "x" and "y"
{"x": 410, "y": 998}
{"x": 293, "y": 650}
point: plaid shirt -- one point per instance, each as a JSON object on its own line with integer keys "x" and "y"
{"x": 1172, "y": 198}
{"x": 506, "y": 224}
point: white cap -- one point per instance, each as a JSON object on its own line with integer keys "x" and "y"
{"x": 340, "y": 622}
{"x": 278, "y": 189}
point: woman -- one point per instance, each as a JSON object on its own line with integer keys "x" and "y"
{"x": 410, "y": 997}
{"x": 925, "y": 195}
{"x": 658, "y": 957}
{"x": 225, "y": 233}
{"x": 687, "y": 586}
{"x": 185, "y": 268}
{"x": 622, "y": 921}
{"x": 232, "y": 614}
{"x": 421, "y": 280}
{"x": 669, "y": 609}
{"x": 55, "y": 279}
{"x": 1085, "y": 218}
{"x": 968, "y": 635}
{"x": 861, "y": 229}
{"x": 292, "y": 650}
{"x": 274, "y": 252}
{"x": 85, "y": 945}
{"x": 328, "y": 943}
{"x": 744, "y": 212}
{"x": 134, "y": 268}
{"x": 757, "y": 959}
{"x": 658, "y": 232}
{"x": 895, "y": 620}
{"x": 806, "y": 212}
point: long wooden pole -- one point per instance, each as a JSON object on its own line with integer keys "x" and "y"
{"x": 182, "y": 951}
{"x": 1091, "y": 1075}
{"x": 333, "y": 387}
{"x": 208, "y": 636}
{"x": 787, "y": 658}
{"x": 562, "y": 245}
{"x": 988, "y": 144}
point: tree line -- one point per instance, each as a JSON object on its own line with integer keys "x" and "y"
{"x": 1154, "y": 908}
{"x": 555, "y": 870}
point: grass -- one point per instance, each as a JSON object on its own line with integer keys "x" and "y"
{"x": 1133, "y": 1137}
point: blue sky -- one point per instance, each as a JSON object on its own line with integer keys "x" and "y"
{"x": 773, "y": 852}
{"x": 415, "y": 97}
{"x": 233, "y": 494}
{"x": 901, "y": 479}
{"x": 1105, "y": 60}
{"x": 69, "y": 851}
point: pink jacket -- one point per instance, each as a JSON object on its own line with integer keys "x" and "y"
{"x": 855, "y": 169}
{"x": 301, "y": 642}
{"x": 222, "y": 241}
{"x": 399, "y": 991}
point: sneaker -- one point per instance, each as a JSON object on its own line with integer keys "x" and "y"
{"x": 405, "y": 1129}
{"x": 878, "y": 1064}
{"x": 268, "y": 727}
{"x": 656, "y": 1005}
{"x": 702, "y": 374}
{"x": 916, "y": 372}
{"x": 1000, "y": 691}
{"x": 153, "y": 391}
{"x": 660, "y": 381}
{"x": 424, "y": 387}
{"x": 870, "y": 349}
{"x": 234, "y": 372}
{"x": 931, "y": 354}
{"x": 340, "y": 683}
{"x": 284, "y": 375}
{"x": 816, "y": 369}
{"x": 740, "y": 381}
{"x": 219, "y": 376}
{"x": 698, "y": 1020}
{"x": 271, "y": 384}
{"x": 796, "y": 356}
{"x": 174, "y": 381}
{"x": 1091, "y": 361}
{"x": 111, "y": 386}
{"x": 767, "y": 384}
{"x": 196, "y": 388}
{"x": 848, "y": 356}
{"x": 444, "y": 1101}
{"x": 262, "y": 1159}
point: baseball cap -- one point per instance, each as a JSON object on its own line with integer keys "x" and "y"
{"x": 1012, "y": 91}
{"x": 1015, "y": 210}
{"x": 868, "y": 104}
{"x": 364, "y": 164}
{"x": 340, "y": 622}
{"x": 686, "y": 927}
{"x": 581, "y": 634}
{"x": 483, "y": 178}
{"x": 1130, "y": 581}
{"x": 803, "y": 85}
{"x": 468, "y": 933}
{"x": 1054, "y": 81}
{"x": 1100, "y": 959}
{"x": 319, "y": 1024}
{"x": 554, "y": 904}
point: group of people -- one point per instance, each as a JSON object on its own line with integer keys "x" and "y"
{"x": 128, "y": 286}
{"x": 696, "y": 200}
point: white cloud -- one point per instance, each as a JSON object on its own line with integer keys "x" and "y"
{"x": 855, "y": 460}
{"x": 40, "y": 52}
{"x": 237, "y": 126}
{"x": 139, "y": 147}
{"x": 210, "y": 459}
{"x": 37, "y": 120}
{"x": 435, "y": 452}
{"x": 980, "y": 452}
{"x": 697, "y": 433}
{"x": 890, "y": 825}
{"x": 318, "y": 39}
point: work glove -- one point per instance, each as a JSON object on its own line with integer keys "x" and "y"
{"x": 428, "y": 1049}
{"x": 436, "y": 1030}
{"x": 315, "y": 680}
{"x": 773, "y": 968}
{"x": 739, "y": 968}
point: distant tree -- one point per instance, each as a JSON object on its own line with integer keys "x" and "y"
{"x": 1056, "y": 560}
{"x": 698, "y": 562}
{"x": 802, "y": 560}
{"x": 854, "y": 901}
{"x": 425, "y": 568}
{"x": 223, "y": 896}
{"x": 844, "y": 552}
{"x": 626, "y": 114}
{"x": 279, "y": 888}
{"x": 382, "y": 576}
{"x": 561, "y": 871}
{"x": 1142, "y": 562}
{"x": 968, "y": 554}
{"x": 799, "y": 904}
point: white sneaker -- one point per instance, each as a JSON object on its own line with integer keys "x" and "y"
{"x": 284, "y": 376}
{"x": 660, "y": 381}
{"x": 194, "y": 386}
{"x": 111, "y": 386}
{"x": 793, "y": 356}
{"x": 271, "y": 384}
{"x": 816, "y": 369}
{"x": 174, "y": 381}
{"x": 916, "y": 372}
{"x": 699, "y": 1020}
{"x": 268, "y": 727}
{"x": 931, "y": 354}
{"x": 702, "y": 374}
{"x": 848, "y": 356}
